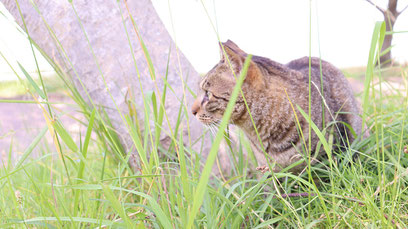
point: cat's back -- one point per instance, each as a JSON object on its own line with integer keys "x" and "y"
{"x": 334, "y": 82}
{"x": 318, "y": 68}
{"x": 337, "y": 90}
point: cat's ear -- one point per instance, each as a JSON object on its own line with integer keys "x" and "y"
{"x": 232, "y": 54}
{"x": 236, "y": 57}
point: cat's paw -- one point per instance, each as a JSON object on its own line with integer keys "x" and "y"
{"x": 263, "y": 169}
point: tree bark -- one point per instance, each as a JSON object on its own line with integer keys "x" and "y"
{"x": 112, "y": 59}
{"x": 390, "y": 16}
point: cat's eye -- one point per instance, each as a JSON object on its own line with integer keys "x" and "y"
{"x": 207, "y": 95}
{"x": 206, "y": 98}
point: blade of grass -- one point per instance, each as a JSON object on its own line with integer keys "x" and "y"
{"x": 88, "y": 133}
{"x": 84, "y": 154}
{"x": 162, "y": 108}
{"x": 31, "y": 147}
{"x": 377, "y": 38}
{"x": 86, "y": 221}
{"x": 117, "y": 206}
{"x": 183, "y": 169}
{"x": 32, "y": 82}
{"x": 65, "y": 136}
{"x": 201, "y": 187}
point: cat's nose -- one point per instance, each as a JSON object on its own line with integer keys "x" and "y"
{"x": 195, "y": 108}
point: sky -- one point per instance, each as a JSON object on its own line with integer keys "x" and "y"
{"x": 341, "y": 30}
{"x": 14, "y": 46}
{"x": 338, "y": 31}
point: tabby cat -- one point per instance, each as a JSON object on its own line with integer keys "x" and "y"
{"x": 272, "y": 92}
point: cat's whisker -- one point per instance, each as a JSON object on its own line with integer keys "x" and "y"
{"x": 227, "y": 137}
{"x": 216, "y": 126}
{"x": 212, "y": 130}
{"x": 215, "y": 129}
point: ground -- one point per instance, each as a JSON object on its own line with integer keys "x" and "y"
{"x": 21, "y": 122}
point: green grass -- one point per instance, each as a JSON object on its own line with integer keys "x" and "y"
{"x": 15, "y": 88}
{"x": 86, "y": 182}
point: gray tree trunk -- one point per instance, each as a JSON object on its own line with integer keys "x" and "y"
{"x": 390, "y": 17}
{"x": 387, "y": 58}
{"x": 105, "y": 30}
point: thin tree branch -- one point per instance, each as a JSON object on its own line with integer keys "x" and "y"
{"x": 403, "y": 10}
{"x": 379, "y": 8}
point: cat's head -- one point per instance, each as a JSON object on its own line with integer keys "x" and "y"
{"x": 217, "y": 85}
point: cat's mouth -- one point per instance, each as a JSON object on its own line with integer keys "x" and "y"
{"x": 208, "y": 121}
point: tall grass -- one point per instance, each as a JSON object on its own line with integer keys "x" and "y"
{"x": 86, "y": 181}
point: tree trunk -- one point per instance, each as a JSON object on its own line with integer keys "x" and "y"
{"x": 390, "y": 16}
{"x": 106, "y": 33}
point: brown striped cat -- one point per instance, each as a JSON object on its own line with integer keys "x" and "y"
{"x": 270, "y": 90}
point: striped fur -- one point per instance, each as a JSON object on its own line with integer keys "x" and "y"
{"x": 269, "y": 89}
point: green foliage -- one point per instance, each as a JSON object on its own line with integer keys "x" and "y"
{"x": 87, "y": 182}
